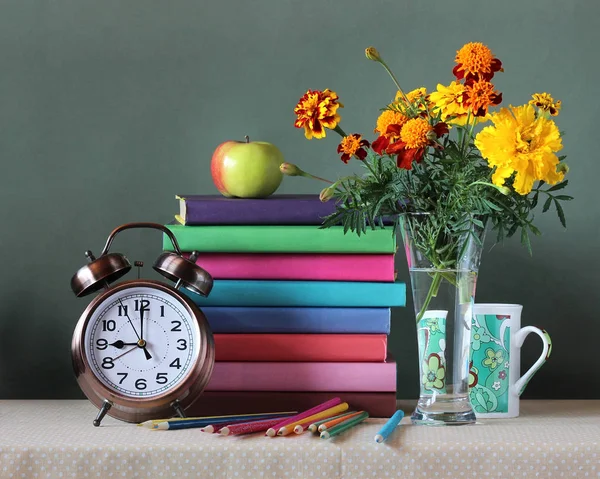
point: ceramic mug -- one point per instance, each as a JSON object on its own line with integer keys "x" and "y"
{"x": 495, "y": 384}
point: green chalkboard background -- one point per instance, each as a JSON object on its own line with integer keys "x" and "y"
{"x": 110, "y": 108}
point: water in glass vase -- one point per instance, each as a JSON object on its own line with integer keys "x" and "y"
{"x": 443, "y": 302}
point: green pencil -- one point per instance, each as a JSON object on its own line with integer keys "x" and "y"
{"x": 344, "y": 426}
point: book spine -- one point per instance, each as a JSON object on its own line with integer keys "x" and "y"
{"x": 278, "y": 239}
{"x": 316, "y": 267}
{"x": 272, "y": 211}
{"x": 298, "y": 320}
{"x": 303, "y": 376}
{"x": 214, "y": 403}
{"x": 301, "y": 347}
{"x": 258, "y": 293}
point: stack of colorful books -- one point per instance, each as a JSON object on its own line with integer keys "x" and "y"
{"x": 299, "y": 313}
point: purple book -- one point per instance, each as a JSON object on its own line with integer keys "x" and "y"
{"x": 274, "y": 210}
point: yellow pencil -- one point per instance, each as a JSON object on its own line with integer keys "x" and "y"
{"x": 151, "y": 423}
{"x": 332, "y": 411}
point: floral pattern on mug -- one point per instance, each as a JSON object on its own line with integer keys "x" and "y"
{"x": 479, "y": 336}
{"x": 433, "y": 372}
{"x": 431, "y": 335}
{"x": 489, "y": 372}
{"x": 493, "y": 359}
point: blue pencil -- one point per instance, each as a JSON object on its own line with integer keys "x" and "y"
{"x": 389, "y": 426}
{"x": 193, "y": 423}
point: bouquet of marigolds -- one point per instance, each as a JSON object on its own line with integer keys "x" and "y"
{"x": 446, "y": 166}
{"x": 449, "y": 153}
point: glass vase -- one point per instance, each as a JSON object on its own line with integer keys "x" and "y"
{"x": 443, "y": 261}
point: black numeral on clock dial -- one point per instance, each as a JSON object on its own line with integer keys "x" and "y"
{"x": 101, "y": 344}
{"x": 141, "y": 384}
{"x": 182, "y": 344}
{"x": 176, "y": 363}
{"x": 123, "y": 378}
{"x": 162, "y": 311}
{"x": 161, "y": 378}
{"x": 107, "y": 363}
{"x": 109, "y": 325}
{"x": 122, "y": 310}
{"x": 142, "y": 305}
{"x": 177, "y": 327}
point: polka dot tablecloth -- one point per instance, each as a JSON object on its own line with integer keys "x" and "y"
{"x": 56, "y": 439}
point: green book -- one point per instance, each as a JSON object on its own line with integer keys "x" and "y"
{"x": 279, "y": 239}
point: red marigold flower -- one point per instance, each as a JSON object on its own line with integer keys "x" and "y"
{"x": 415, "y": 137}
{"x": 317, "y": 110}
{"x": 475, "y": 61}
{"x": 352, "y": 145}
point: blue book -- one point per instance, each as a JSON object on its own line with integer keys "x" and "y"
{"x": 349, "y": 294}
{"x": 298, "y": 320}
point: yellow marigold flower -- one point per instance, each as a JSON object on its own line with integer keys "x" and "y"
{"x": 390, "y": 118}
{"x": 416, "y": 133}
{"x": 545, "y": 102}
{"x": 520, "y": 143}
{"x": 480, "y": 95}
{"x": 476, "y": 61}
{"x": 449, "y": 100}
{"x": 412, "y": 97}
{"x": 317, "y": 110}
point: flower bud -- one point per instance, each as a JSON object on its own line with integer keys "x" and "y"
{"x": 290, "y": 169}
{"x": 505, "y": 190}
{"x": 562, "y": 168}
{"x": 326, "y": 194}
{"x": 372, "y": 54}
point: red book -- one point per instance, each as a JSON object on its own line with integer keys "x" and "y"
{"x": 301, "y": 347}
{"x": 213, "y": 403}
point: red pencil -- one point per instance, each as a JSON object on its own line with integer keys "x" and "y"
{"x": 249, "y": 427}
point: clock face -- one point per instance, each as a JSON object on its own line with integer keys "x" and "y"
{"x": 141, "y": 342}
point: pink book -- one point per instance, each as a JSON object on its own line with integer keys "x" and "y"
{"x": 317, "y": 267}
{"x": 301, "y": 347}
{"x": 303, "y": 376}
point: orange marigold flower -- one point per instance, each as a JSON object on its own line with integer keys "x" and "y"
{"x": 389, "y": 123}
{"x": 545, "y": 102}
{"x": 414, "y": 133}
{"x": 352, "y": 145}
{"x": 480, "y": 95}
{"x": 474, "y": 61}
{"x": 317, "y": 110}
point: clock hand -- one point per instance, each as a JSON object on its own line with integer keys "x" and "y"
{"x": 126, "y": 352}
{"x": 119, "y": 344}
{"x": 129, "y": 319}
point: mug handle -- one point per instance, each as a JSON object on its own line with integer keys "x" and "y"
{"x": 547, "y": 350}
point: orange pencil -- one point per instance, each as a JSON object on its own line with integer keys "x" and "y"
{"x": 336, "y": 421}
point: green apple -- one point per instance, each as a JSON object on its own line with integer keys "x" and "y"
{"x": 247, "y": 169}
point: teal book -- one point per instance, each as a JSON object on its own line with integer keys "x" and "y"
{"x": 279, "y": 239}
{"x": 302, "y": 293}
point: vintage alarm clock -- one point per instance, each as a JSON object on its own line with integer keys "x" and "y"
{"x": 142, "y": 349}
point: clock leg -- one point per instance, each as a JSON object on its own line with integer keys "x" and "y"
{"x": 103, "y": 410}
{"x": 178, "y": 409}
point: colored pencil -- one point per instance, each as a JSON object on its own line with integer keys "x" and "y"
{"x": 166, "y": 425}
{"x": 312, "y": 426}
{"x": 332, "y": 411}
{"x": 344, "y": 426}
{"x": 389, "y": 426}
{"x": 152, "y": 422}
{"x": 334, "y": 422}
{"x": 248, "y": 427}
{"x": 271, "y": 432}
{"x": 220, "y": 424}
